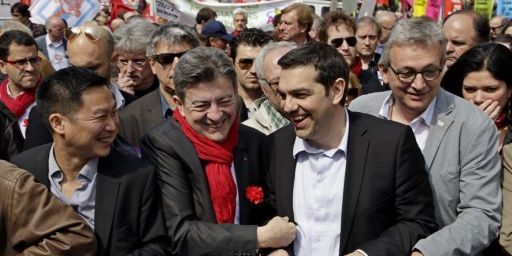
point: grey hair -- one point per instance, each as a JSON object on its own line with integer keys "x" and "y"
{"x": 384, "y": 13}
{"x": 15, "y": 25}
{"x": 259, "y": 62}
{"x": 241, "y": 11}
{"x": 422, "y": 31}
{"x": 202, "y": 64}
{"x": 363, "y": 21}
{"x": 172, "y": 34}
{"x": 133, "y": 37}
{"x": 50, "y": 21}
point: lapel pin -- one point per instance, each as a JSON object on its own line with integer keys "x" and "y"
{"x": 440, "y": 123}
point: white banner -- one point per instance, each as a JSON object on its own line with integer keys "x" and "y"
{"x": 75, "y": 12}
{"x": 167, "y": 9}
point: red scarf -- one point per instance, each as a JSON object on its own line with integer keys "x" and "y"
{"x": 17, "y": 105}
{"x": 218, "y": 158}
{"x": 357, "y": 66}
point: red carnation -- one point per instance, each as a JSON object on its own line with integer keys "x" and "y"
{"x": 254, "y": 194}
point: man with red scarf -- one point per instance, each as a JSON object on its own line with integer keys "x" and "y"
{"x": 208, "y": 165}
{"x": 20, "y": 63}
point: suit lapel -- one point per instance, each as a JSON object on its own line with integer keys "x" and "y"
{"x": 284, "y": 171}
{"x": 107, "y": 189}
{"x": 186, "y": 151}
{"x": 358, "y": 144}
{"x": 41, "y": 166}
{"x": 441, "y": 121}
{"x": 242, "y": 178}
{"x": 154, "y": 110}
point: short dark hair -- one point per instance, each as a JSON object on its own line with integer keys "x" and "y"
{"x": 480, "y": 24}
{"x": 335, "y": 18}
{"x": 14, "y": 37}
{"x": 21, "y": 8}
{"x": 329, "y": 63}
{"x": 492, "y": 57}
{"x": 62, "y": 91}
{"x": 205, "y": 14}
{"x": 253, "y": 37}
{"x": 202, "y": 64}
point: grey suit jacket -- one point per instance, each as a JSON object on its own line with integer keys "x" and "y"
{"x": 41, "y": 45}
{"x": 140, "y": 116}
{"x": 461, "y": 156}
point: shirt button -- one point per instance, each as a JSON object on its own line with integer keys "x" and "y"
{"x": 321, "y": 179}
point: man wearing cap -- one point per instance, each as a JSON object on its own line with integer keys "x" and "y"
{"x": 216, "y": 36}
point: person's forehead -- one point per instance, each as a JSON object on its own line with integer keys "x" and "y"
{"x": 290, "y": 16}
{"x": 366, "y": 28}
{"x": 132, "y": 55}
{"x": 247, "y": 49}
{"x": 22, "y": 50}
{"x": 239, "y": 16}
{"x": 404, "y": 52}
{"x": 175, "y": 47}
{"x": 205, "y": 90}
{"x": 341, "y": 28}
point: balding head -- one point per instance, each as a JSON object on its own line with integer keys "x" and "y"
{"x": 497, "y": 25}
{"x": 386, "y": 20}
{"x": 56, "y": 28}
{"x": 92, "y": 47}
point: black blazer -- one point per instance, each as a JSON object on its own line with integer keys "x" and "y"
{"x": 387, "y": 201}
{"x": 128, "y": 215}
{"x": 142, "y": 115}
{"x": 188, "y": 209}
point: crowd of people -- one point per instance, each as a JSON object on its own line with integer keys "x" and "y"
{"x": 325, "y": 136}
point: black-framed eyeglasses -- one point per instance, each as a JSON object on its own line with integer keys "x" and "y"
{"x": 273, "y": 83}
{"x": 166, "y": 59}
{"x": 498, "y": 27}
{"x": 429, "y": 74}
{"x": 22, "y": 63}
{"x": 93, "y": 34}
{"x": 245, "y": 63}
{"x": 337, "y": 42}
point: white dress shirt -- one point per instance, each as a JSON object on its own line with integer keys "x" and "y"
{"x": 56, "y": 53}
{"x": 420, "y": 125}
{"x": 318, "y": 196}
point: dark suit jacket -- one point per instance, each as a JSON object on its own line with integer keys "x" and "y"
{"x": 128, "y": 215}
{"x": 387, "y": 202}
{"x": 188, "y": 208}
{"x": 41, "y": 44}
{"x": 142, "y": 115}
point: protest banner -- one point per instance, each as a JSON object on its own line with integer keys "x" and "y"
{"x": 419, "y": 8}
{"x": 434, "y": 9}
{"x": 504, "y": 8}
{"x": 484, "y": 7}
{"x": 167, "y": 9}
{"x": 75, "y": 12}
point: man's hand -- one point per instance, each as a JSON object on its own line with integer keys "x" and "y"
{"x": 278, "y": 232}
{"x": 416, "y": 253}
{"x": 125, "y": 83}
{"x": 491, "y": 108}
{"x": 273, "y": 97}
{"x": 279, "y": 252}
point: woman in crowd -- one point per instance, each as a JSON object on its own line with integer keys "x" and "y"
{"x": 483, "y": 76}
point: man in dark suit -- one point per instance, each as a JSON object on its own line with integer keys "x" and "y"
{"x": 208, "y": 165}
{"x": 354, "y": 184}
{"x": 167, "y": 44}
{"x": 90, "y": 47}
{"x": 53, "y": 44}
{"x": 113, "y": 191}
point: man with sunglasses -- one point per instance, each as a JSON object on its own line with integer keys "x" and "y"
{"x": 20, "y": 63}
{"x": 338, "y": 30}
{"x": 249, "y": 43}
{"x": 131, "y": 41}
{"x": 459, "y": 142}
{"x": 168, "y": 43}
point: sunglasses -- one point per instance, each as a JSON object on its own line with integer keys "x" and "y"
{"x": 90, "y": 32}
{"x": 337, "y": 42}
{"x": 166, "y": 59}
{"x": 245, "y": 63}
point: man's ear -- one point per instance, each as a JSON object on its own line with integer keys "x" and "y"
{"x": 384, "y": 74}
{"x": 303, "y": 28}
{"x": 152, "y": 64}
{"x": 57, "y": 123}
{"x": 338, "y": 90}
{"x": 3, "y": 67}
{"x": 178, "y": 103}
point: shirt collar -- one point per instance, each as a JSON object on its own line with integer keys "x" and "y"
{"x": 118, "y": 97}
{"x": 301, "y": 145}
{"x": 426, "y": 116}
{"x": 163, "y": 101}
{"x": 49, "y": 42}
{"x": 89, "y": 170}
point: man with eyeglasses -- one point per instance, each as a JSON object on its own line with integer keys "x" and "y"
{"x": 338, "y": 30}
{"x": 20, "y": 63}
{"x": 459, "y": 142}
{"x": 131, "y": 40}
{"x": 167, "y": 44}
{"x": 248, "y": 45}
{"x": 497, "y": 25}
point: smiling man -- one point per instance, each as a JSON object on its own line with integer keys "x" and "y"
{"x": 113, "y": 191}
{"x": 168, "y": 43}
{"x": 350, "y": 189}
{"x": 458, "y": 140}
{"x": 207, "y": 163}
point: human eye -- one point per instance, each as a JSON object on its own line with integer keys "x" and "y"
{"x": 124, "y": 62}
{"x": 469, "y": 89}
{"x": 406, "y": 74}
{"x": 431, "y": 73}
{"x": 490, "y": 89}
